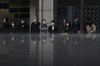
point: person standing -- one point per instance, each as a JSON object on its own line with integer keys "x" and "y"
{"x": 35, "y": 26}
{"x": 88, "y": 28}
{"x": 66, "y": 26}
{"x": 93, "y": 28}
{"x": 23, "y": 26}
{"x": 44, "y": 26}
{"x": 52, "y": 28}
{"x": 5, "y": 25}
{"x": 44, "y": 29}
{"x": 76, "y": 25}
{"x": 13, "y": 27}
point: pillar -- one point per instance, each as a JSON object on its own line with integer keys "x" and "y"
{"x": 32, "y": 10}
{"x": 46, "y": 10}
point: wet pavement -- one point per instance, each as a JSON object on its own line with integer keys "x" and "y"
{"x": 49, "y": 50}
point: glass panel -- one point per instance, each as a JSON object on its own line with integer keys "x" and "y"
{"x": 68, "y": 9}
{"x": 92, "y": 11}
{"x": 14, "y": 11}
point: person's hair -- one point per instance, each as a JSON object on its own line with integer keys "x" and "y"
{"x": 43, "y": 20}
{"x": 67, "y": 21}
{"x": 53, "y": 21}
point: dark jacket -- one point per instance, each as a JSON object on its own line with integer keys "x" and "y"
{"x": 67, "y": 28}
{"x": 5, "y": 27}
{"x": 13, "y": 29}
{"x": 35, "y": 27}
{"x": 52, "y": 31}
{"x": 44, "y": 27}
{"x": 23, "y": 27}
{"x": 76, "y": 26}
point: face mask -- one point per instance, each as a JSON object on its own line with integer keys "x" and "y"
{"x": 22, "y": 21}
{"x": 64, "y": 21}
{"x": 13, "y": 25}
{"x": 76, "y": 20}
{"x": 4, "y": 20}
{"x": 67, "y": 24}
{"x": 52, "y": 24}
{"x": 34, "y": 20}
{"x": 44, "y": 22}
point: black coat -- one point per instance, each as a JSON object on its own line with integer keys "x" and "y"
{"x": 44, "y": 27}
{"x": 5, "y": 27}
{"x": 23, "y": 27}
{"x": 52, "y": 31}
{"x": 76, "y": 26}
{"x": 67, "y": 28}
{"x": 35, "y": 27}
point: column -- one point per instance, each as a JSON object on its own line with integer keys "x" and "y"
{"x": 32, "y": 45}
{"x": 46, "y": 9}
{"x": 32, "y": 10}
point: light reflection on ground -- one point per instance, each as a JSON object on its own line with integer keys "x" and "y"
{"x": 49, "y": 50}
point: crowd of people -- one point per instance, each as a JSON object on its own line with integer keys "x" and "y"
{"x": 12, "y": 26}
{"x": 37, "y": 27}
{"x": 68, "y": 27}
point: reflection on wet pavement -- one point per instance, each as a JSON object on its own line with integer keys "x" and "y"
{"x": 49, "y": 50}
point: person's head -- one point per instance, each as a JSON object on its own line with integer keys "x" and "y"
{"x": 52, "y": 23}
{"x": 34, "y": 19}
{"x": 64, "y": 21}
{"x": 12, "y": 23}
{"x": 4, "y": 20}
{"x": 76, "y": 20}
{"x": 88, "y": 28}
{"x": 44, "y": 21}
{"x": 93, "y": 26}
{"x": 22, "y": 21}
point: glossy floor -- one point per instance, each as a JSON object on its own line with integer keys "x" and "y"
{"x": 49, "y": 50}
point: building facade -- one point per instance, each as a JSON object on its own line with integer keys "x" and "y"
{"x": 70, "y": 9}
{"x": 49, "y": 10}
